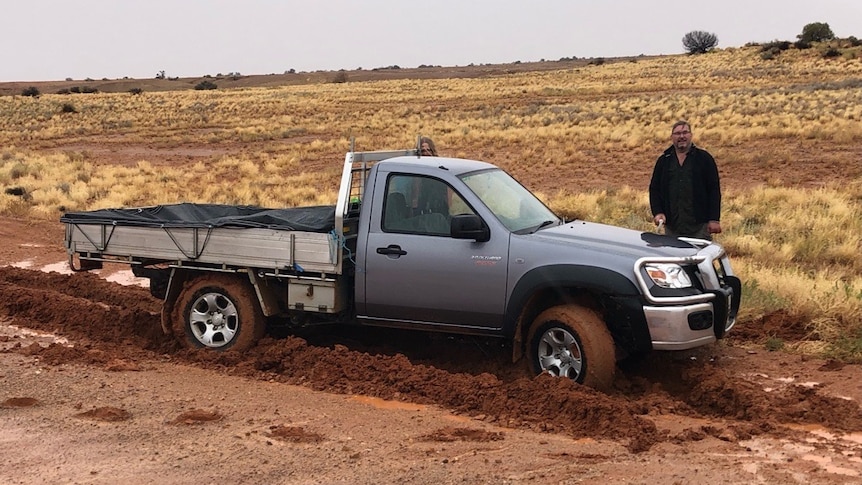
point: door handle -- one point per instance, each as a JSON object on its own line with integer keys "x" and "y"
{"x": 392, "y": 249}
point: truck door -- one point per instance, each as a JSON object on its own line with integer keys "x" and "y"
{"x": 416, "y": 273}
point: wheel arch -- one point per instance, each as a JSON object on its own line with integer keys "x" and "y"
{"x": 266, "y": 296}
{"x": 230, "y": 295}
{"x": 548, "y": 286}
{"x": 571, "y": 341}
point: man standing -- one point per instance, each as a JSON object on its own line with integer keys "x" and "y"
{"x": 684, "y": 192}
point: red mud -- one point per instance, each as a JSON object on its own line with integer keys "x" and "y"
{"x": 115, "y": 324}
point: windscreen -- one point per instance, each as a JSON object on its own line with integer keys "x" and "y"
{"x": 515, "y": 206}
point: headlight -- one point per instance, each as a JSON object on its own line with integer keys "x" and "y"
{"x": 668, "y": 275}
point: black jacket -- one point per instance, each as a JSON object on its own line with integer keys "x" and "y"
{"x": 707, "y": 189}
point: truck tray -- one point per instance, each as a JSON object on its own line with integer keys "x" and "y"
{"x": 279, "y": 239}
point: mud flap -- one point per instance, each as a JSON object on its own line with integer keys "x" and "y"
{"x": 84, "y": 264}
{"x": 174, "y": 285}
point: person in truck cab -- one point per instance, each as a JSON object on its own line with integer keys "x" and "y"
{"x": 684, "y": 191}
{"x": 426, "y": 147}
{"x": 423, "y": 196}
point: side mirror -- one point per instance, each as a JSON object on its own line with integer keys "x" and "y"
{"x": 469, "y": 226}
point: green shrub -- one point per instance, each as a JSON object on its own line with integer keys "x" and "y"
{"x": 699, "y": 42}
{"x": 205, "y": 85}
{"x": 32, "y": 91}
{"x": 774, "y": 343}
{"x": 776, "y": 46}
{"x": 16, "y": 191}
{"x": 816, "y": 32}
{"x": 847, "y": 348}
{"x": 68, "y": 108}
{"x": 340, "y": 77}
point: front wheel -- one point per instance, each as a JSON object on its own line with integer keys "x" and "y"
{"x": 219, "y": 312}
{"x": 572, "y": 341}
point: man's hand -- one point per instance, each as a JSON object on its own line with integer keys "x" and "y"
{"x": 714, "y": 227}
{"x": 659, "y": 219}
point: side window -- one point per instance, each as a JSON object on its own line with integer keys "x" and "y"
{"x": 396, "y": 212}
{"x": 420, "y": 205}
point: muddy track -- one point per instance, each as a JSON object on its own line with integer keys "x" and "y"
{"x": 109, "y": 322}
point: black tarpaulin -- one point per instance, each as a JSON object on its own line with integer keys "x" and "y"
{"x": 310, "y": 219}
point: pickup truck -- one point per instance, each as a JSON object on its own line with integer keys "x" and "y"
{"x": 429, "y": 243}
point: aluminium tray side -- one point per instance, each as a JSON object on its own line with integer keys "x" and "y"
{"x": 243, "y": 247}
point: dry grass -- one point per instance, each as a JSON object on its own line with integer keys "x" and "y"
{"x": 785, "y": 133}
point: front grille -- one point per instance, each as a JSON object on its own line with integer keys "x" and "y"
{"x": 720, "y": 272}
{"x": 695, "y": 276}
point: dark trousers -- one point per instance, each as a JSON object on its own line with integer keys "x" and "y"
{"x": 701, "y": 233}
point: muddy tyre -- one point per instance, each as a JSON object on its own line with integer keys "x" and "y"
{"x": 219, "y": 312}
{"x": 572, "y": 341}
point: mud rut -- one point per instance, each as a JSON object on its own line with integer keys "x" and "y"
{"x": 111, "y": 323}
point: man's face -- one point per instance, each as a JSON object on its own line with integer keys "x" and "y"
{"x": 681, "y": 138}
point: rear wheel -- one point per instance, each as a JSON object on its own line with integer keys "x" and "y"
{"x": 572, "y": 341}
{"x": 219, "y": 312}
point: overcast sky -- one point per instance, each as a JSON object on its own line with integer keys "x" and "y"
{"x": 58, "y": 39}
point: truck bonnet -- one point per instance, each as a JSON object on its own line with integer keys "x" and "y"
{"x": 591, "y": 236}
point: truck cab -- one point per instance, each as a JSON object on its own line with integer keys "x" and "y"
{"x": 459, "y": 246}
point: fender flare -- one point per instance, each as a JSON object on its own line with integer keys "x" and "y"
{"x": 562, "y": 276}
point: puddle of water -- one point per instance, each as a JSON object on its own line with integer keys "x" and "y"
{"x": 123, "y": 277}
{"x": 809, "y": 384}
{"x": 820, "y": 460}
{"x": 771, "y": 451}
{"x": 6, "y": 329}
{"x": 788, "y": 450}
{"x": 62, "y": 267}
{"x": 826, "y": 464}
{"x": 840, "y": 470}
{"x": 825, "y": 434}
{"x": 854, "y": 437}
{"x": 127, "y": 278}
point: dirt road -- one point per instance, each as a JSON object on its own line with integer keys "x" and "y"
{"x": 92, "y": 392}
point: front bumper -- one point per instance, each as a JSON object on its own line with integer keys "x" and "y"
{"x": 685, "y": 321}
{"x": 683, "y": 327}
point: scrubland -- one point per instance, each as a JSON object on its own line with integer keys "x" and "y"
{"x": 786, "y": 133}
